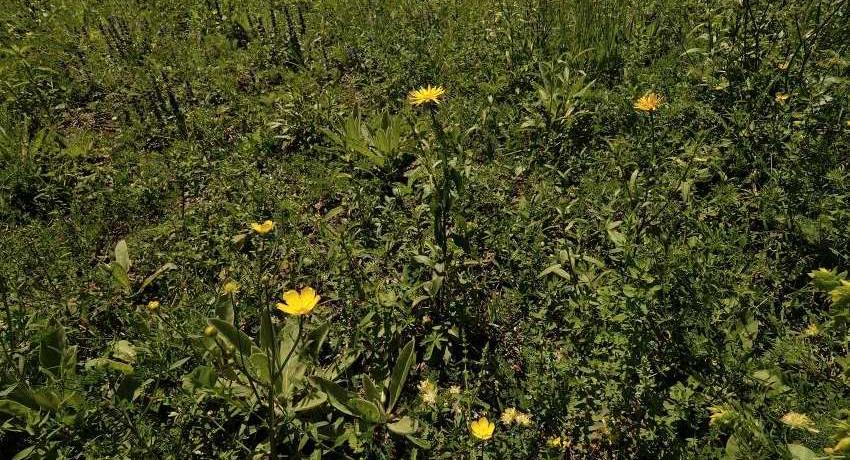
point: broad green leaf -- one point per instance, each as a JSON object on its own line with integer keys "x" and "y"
{"x": 732, "y": 448}
{"x": 266, "y": 332}
{"x": 122, "y": 256}
{"x": 337, "y": 396}
{"x": 200, "y": 377}
{"x": 26, "y": 453}
{"x": 373, "y": 393}
{"x": 46, "y": 399}
{"x": 52, "y": 349}
{"x": 366, "y": 410}
{"x": 800, "y": 452}
{"x": 419, "y": 442}
{"x": 18, "y": 410}
{"x": 236, "y": 337}
{"x": 260, "y": 364}
{"x": 224, "y": 310}
{"x": 399, "y": 374}
{"x": 310, "y": 402}
{"x": 317, "y": 338}
{"x": 119, "y": 274}
{"x": 403, "y": 426}
{"x": 124, "y": 351}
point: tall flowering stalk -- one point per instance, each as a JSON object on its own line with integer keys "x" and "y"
{"x": 431, "y": 97}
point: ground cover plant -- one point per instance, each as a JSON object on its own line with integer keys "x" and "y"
{"x": 268, "y": 229}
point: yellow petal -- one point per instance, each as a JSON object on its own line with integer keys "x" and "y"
{"x": 289, "y": 309}
{"x": 309, "y": 298}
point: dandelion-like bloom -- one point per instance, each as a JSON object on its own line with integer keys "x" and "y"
{"x": 554, "y": 442}
{"x": 781, "y": 97}
{"x": 811, "y": 330}
{"x": 263, "y": 228}
{"x": 428, "y": 391}
{"x": 299, "y": 303}
{"x": 523, "y": 419}
{"x": 798, "y": 420}
{"x": 210, "y": 331}
{"x": 454, "y": 390}
{"x": 482, "y": 428}
{"x": 841, "y": 293}
{"x": 230, "y": 287}
{"x": 153, "y": 306}
{"x": 426, "y": 95}
{"x": 719, "y": 415}
{"x": 649, "y": 102}
{"x": 508, "y": 416}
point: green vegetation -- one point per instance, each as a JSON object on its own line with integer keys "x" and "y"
{"x": 623, "y": 231}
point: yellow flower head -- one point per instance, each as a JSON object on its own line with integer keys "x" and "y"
{"x": 263, "y": 228}
{"x": 719, "y": 415}
{"x": 649, "y": 102}
{"x": 210, "y": 331}
{"x": 554, "y": 442}
{"x": 840, "y": 293}
{"x": 811, "y": 330}
{"x": 798, "y": 420}
{"x": 426, "y": 95}
{"x": 781, "y": 97}
{"x": 153, "y": 306}
{"x": 482, "y": 428}
{"x": 230, "y": 287}
{"x": 508, "y": 415}
{"x": 523, "y": 419}
{"x": 848, "y": 123}
{"x": 454, "y": 389}
{"x": 428, "y": 391}
{"x": 299, "y": 303}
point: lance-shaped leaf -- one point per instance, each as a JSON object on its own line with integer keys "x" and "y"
{"x": 366, "y": 410}
{"x": 337, "y": 396}
{"x": 403, "y": 426}
{"x": 399, "y": 375}
{"x": 122, "y": 256}
{"x": 237, "y": 338}
{"x": 51, "y": 350}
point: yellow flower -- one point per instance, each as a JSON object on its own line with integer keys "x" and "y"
{"x": 798, "y": 420}
{"x": 554, "y": 442}
{"x": 482, "y": 428}
{"x": 426, "y": 95}
{"x": 848, "y": 123}
{"x": 781, "y": 97}
{"x": 230, "y": 287}
{"x": 428, "y": 391}
{"x": 811, "y": 330}
{"x": 840, "y": 293}
{"x": 649, "y": 102}
{"x": 210, "y": 331}
{"x": 719, "y": 415}
{"x": 523, "y": 419}
{"x": 263, "y": 228}
{"x": 299, "y": 303}
{"x": 153, "y": 306}
{"x": 842, "y": 445}
{"x": 454, "y": 389}
{"x": 508, "y": 416}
